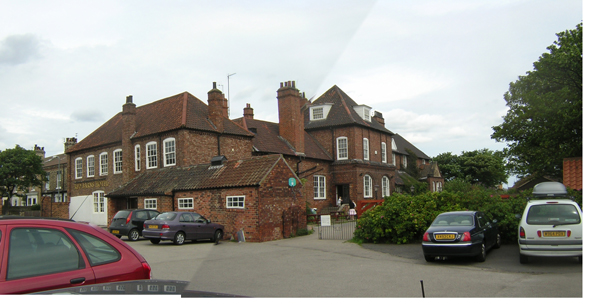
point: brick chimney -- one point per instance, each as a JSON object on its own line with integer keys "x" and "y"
{"x": 69, "y": 142}
{"x": 217, "y": 107}
{"x": 291, "y": 118}
{"x": 39, "y": 151}
{"x": 248, "y": 112}
{"x": 379, "y": 118}
{"x": 128, "y": 117}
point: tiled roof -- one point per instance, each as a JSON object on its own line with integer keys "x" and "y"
{"x": 179, "y": 111}
{"x": 402, "y": 145}
{"x": 342, "y": 112}
{"x": 54, "y": 160}
{"x": 267, "y": 140}
{"x": 233, "y": 173}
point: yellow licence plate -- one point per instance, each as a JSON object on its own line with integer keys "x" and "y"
{"x": 554, "y": 234}
{"x": 153, "y": 226}
{"x": 444, "y": 237}
{"x": 115, "y": 231}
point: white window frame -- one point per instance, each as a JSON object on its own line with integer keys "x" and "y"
{"x": 91, "y": 166}
{"x": 103, "y": 163}
{"x": 138, "y": 157}
{"x": 78, "y": 167}
{"x": 238, "y": 202}
{"x": 384, "y": 152}
{"x": 185, "y": 203}
{"x": 365, "y": 148}
{"x": 342, "y": 152}
{"x": 118, "y": 161}
{"x": 150, "y": 203}
{"x": 58, "y": 179}
{"x": 404, "y": 161}
{"x": 317, "y": 113}
{"x": 319, "y": 187}
{"x": 99, "y": 205}
{"x": 48, "y": 181}
{"x": 151, "y": 155}
{"x": 169, "y": 157}
{"x": 368, "y": 186}
{"x": 393, "y": 159}
{"x": 385, "y": 186}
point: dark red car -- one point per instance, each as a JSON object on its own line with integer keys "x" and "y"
{"x": 38, "y": 254}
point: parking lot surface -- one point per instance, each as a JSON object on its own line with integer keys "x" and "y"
{"x": 309, "y": 267}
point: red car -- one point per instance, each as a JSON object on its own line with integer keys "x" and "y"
{"x": 38, "y": 254}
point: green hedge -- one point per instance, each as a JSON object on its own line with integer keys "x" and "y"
{"x": 404, "y": 218}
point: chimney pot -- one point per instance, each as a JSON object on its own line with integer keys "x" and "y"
{"x": 214, "y": 85}
{"x": 129, "y": 99}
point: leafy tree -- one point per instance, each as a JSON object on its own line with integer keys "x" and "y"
{"x": 484, "y": 167}
{"x": 544, "y": 122}
{"x": 19, "y": 170}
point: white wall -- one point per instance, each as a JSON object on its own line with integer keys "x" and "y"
{"x": 82, "y": 209}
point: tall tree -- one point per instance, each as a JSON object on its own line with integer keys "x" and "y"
{"x": 544, "y": 123}
{"x": 19, "y": 170}
{"x": 484, "y": 167}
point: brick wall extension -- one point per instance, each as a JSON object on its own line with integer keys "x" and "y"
{"x": 54, "y": 209}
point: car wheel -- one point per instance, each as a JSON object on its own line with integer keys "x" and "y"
{"x": 134, "y": 235}
{"x": 429, "y": 258}
{"x": 523, "y": 259}
{"x": 218, "y": 236}
{"x": 481, "y": 256}
{"x": 498, "y": 242}
{"x": 155, "y": 241}
{"x": 179, "y": 238}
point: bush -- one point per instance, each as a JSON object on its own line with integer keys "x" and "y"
{"x": 36, "y": 207}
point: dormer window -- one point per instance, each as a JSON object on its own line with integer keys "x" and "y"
{"x": 319, "y": 112}
{"x": 364, "y": 112}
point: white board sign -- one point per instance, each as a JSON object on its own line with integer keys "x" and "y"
{"x": 326, "y": 220}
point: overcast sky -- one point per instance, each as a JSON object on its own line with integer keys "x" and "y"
{"x": 437, "y": 70}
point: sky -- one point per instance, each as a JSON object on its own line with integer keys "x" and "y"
{"x": 437, "y": 70}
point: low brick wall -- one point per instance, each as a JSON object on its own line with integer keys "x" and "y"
{"x": 54, "y": 209}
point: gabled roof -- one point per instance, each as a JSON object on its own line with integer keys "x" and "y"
{"x": 176, "y": 112}
{"x": 342, "y": 112}
{"x": 54, "y": 160}
{"x": 429, "y": 170}
{"x": 234, "y": 173}
{"x": 402, "y": 145}
{"x": 267, "y": 140}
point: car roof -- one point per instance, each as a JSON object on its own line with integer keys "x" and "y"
{"x": 461, "y": 212}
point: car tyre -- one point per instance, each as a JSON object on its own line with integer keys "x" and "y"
{"x": 155, "y": 241}
{"x": 179, "y": 238}
{"x": 523, "y": 259}
{"x": 498, "y": 242}
{"x": 481, "y": 256}
{"x": 134, "y": 235}
{"x": 217, "y": 237}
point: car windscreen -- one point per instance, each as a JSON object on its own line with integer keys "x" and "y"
{"x": 453, "y": 220}
{"x": 170, "y": 216}
{"x": 551, "y": 214}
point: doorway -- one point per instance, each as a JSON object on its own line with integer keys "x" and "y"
{"x": 344, "y": 192}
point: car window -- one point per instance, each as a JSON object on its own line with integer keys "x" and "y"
{"x": 97, "y": 251}
{"x": 140, "y": 215}
{"x": 153, "y": 214}
{"x": 185, "y": 218}
{"x": 170, "y": 216}
{"x": 40, "y": 251}
{"x": 453, "y": 220}
{"x": 122, "y": 214}
{"x": 553, "y": 214}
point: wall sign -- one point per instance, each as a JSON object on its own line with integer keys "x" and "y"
{"x": 292, "y": 182}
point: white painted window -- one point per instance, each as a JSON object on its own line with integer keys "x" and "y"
{"x": 317, "y": 113}
{"x": 368, "y": 186}
{"x": 99, "y": 202}
{"x": 319, "y": 187}
{"x": 138, "y": 158}
{"x": 383, "y": 152}
{"x": 150, "y": 203}
{"x": 118, "y": 161}
{"x": 342, "y": 148}
{"x": 365, "y": 149}
{"x": 169, "y": 156}
{"x": 185, "y": 203}
{"x": 236, "y": 201}
{"x": 385, "y": 186}
{"x": 151, "y": 155}
{"x": 404, "y": 161}
{"x": 103, "y": 163}
{"x": 78, "y": 168}
{"x": 91, "y": 166}
{"x": 58, "y": 179}
{"x": 393, "y": 159}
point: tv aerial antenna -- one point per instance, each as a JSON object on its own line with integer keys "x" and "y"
{"x": 228, "y": 97}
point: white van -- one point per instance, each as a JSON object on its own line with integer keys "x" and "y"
{"x": 551, "y": 224}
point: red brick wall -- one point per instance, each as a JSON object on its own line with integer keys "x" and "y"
{"x": 54, "y": 209}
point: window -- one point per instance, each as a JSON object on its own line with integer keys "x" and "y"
{"x": 368, "y": 186}
{"x": 319, "y": 187}
{"x": 365, "y": 149}
{"x": 169, "y": 152}
{"x": 367, "y": 114}
{"x": 236, "y": 202}
{"x": 383, "y": 152}
{"x": 186, "y": 203}
{"x": 138, "y": 158}
{"x": 91, "y": 166}
{"x": 317, "y": 113}
{"x": 103, "y": 163}
{"x": 404, "y": 161}
{"x": 150, "y": 204}
{"x": 48, "y": 181}
{"x": 342, "y": 148}
{"x": 385, "y": 186}
{"x": 118, "y": 161}
{"x": 58, "y": 179}
{"x": 99, "y": 202}
{"x": 151, "y": 158}
{"x": 78, "y": 168}
{"x": 97, "y": 251}
{"x": 393, "y": 159}
{"x": 24, "y": 261}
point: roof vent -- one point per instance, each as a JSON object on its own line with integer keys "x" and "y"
{"x": 217, "y": 160}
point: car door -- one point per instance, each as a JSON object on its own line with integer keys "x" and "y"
{"x": 41, "y": 258}
{"x": 205, "y": 231}
{"x": 488, "y": 231}
{"x": 188, "y": 226}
